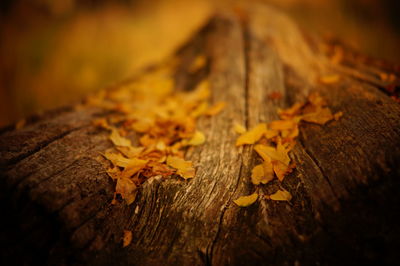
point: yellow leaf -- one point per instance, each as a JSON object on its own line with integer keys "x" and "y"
{"x": 184, "y": 168}
{"x": 130, "y": 152}
{"x": 134, "y": 166}
{"x": 245, "y": 201}
{"x": 117, "y": 159}
{"x": 282, "y": 124}
{"x": 290, "y": 112}
{"x": 262, "y": 173}
{"x": 118, "y": 140}
{"x": 321, "y": 116}
{"x": 127, "y": 238}
{"x": 253, "y": 135}
{"x": 272, "y": 153}
{"x": 280, "y": 195}
{"x": 197, "y": 139}
{"x": 215, "y": 109}
{"x": 101, "y": 122}
{"x": 270, "y": 133}
{"x": 114, "y": 173}
{"x": 280, "y": 169}
{"x": 127, "y": 189}
{"x": 239, "y": 128}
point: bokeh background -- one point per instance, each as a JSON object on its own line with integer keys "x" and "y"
{"x": 53, "y": 52}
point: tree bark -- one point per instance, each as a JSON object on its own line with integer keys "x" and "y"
{"x": 56, "y": 194}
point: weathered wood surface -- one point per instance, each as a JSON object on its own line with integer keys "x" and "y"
{"x": 56, "y": 195}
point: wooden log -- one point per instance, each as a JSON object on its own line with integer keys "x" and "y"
{"x": 56, "y": 194}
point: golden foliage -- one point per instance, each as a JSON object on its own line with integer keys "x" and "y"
{"x": 245, "y": 201}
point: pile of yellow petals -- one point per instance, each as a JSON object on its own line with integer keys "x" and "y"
{"x": 161, "y": 119}
{"x": 273, "y": 142}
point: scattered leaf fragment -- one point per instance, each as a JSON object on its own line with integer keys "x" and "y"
{"x": 245, "y": 201}
{"x": 280, "y": 195}
{"x": 127, "y": 238}
{"x": 184, "y": 168}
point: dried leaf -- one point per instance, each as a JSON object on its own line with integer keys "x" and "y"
{"x": 134, "y": 166}
{"x": 118, "y": 140}
{"x": 130, "y": 152}
{"x": 321, "y": 116}
{"x": 127, "y": 189}
{"x": 127, "y": 238}
{"x": 291, "y": 112}
{"x": 282, "y": 125}
{"x": 253, "y": 135}
{"x": 262, "y": 173}
{"x": 117, "y": 159}
{"x": 197, "y": 139}
{"x": 215, "y": 109}
{"x": 271, "y": 153}
{"x": 245, "y": 201}
{"x": 102, "y": 123}
{"x": 280, "y": 169}
{"x": 280, "y": 195}
{"x": 184, "y": 168}
{"x": 239, "y": 128}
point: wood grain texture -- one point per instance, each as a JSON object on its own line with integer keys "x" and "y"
{"x": 345, "y": 205}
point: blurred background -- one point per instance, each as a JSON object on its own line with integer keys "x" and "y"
{"x": 53, "y": 52}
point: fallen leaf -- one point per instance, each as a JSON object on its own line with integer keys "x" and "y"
{"x": 252, "y": 136}
{"x": 272, "y": 153}
{"x": 279, "y": 125}
{"x": 117, "y": 159}
{"x": 321, "y": 116}
{"x": 184, "y": 168}
{"x": 134, "y": 166}
{"x": 118, "y": 140}
{"x": 127, "y": 238}
{"x": 239, "y": 128}
{"x": 127, "y": 189}
{"x": 215, "y": 109}
{"x": 280, "y": 195}
{"x": 197, "y": 139}
{"x": 245, "y": 201}
{"x": 262, "y": 173}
